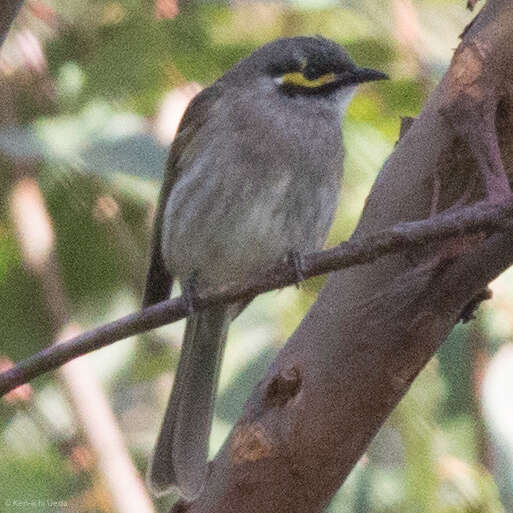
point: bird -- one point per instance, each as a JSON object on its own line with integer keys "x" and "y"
{"x": 253, "y": 177}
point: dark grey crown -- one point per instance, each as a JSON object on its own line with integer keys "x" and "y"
{"x": 314, "y": 55}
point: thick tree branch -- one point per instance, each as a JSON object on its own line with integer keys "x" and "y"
{"x": 453, "y": 228}
{"x": 374, "y": 326}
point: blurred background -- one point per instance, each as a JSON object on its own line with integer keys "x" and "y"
{"x": 91, "y": 95}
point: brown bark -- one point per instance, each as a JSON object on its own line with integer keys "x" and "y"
{"x": 375, "y": 326}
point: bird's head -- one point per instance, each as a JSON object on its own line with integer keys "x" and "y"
{"x": 304, "y": 66}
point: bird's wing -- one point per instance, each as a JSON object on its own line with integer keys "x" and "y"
{"x": 159, "y": 281}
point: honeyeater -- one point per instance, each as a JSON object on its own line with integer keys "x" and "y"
{"x": 253, "y": 176}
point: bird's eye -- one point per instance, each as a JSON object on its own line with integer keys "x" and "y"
{"x": 312, "y": 71}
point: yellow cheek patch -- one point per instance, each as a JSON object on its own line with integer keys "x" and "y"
{"x": 299, "y": 80}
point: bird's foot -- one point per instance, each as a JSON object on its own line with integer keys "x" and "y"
{"x": 295, "y": 260}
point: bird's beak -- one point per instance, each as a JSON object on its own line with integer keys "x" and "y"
{"x": 359, "y": 75}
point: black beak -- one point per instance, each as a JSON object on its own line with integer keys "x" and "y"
{"x": 359, "y": 75}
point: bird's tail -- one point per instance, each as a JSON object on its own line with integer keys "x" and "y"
{"x": 180, "y": 457}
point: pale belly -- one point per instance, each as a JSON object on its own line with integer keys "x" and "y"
{"x": 223, "y": 237}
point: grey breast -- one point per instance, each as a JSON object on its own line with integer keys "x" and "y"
{"x": 261, "y": 178}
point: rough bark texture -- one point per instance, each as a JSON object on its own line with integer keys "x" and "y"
{"x": 375, "y": 326}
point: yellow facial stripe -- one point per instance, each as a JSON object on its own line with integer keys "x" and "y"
{"x": 299, "y": 80}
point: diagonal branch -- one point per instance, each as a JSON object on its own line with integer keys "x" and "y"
{"x": 374, "y": 326}
{"x": 482, "y": 219}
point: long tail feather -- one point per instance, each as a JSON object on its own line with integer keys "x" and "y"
{"x": 180, "y": 458}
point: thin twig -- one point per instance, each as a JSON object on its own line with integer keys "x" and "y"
{"x": 478, "y": 218}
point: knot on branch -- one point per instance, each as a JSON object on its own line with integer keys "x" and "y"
{"x": 466, "y": 73}
{"x": 468, "y": 313}
{"x": 471, "y": 100}
{"x": 250, "y": 442}
{"x": 283, "y": 387}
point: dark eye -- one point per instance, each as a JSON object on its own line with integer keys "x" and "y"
{"x": 312, "y": 71}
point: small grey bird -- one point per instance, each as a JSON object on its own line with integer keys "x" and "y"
{"x": 253, "y": 176}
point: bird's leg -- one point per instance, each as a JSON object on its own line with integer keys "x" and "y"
{"x": 295, "y": 260}
{"x": 190, "y": 292}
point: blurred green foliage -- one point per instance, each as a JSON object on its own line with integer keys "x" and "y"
{"x": 80, "y": 117}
